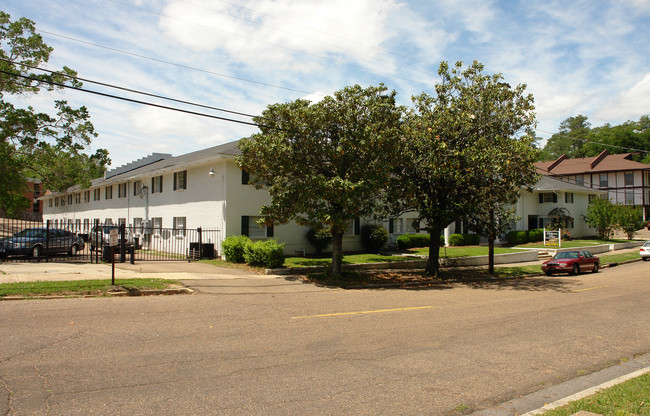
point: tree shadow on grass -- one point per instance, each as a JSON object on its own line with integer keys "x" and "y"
{"x": 416, "y": 280}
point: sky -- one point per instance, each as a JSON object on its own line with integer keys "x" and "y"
{"x": 576, "y": 57}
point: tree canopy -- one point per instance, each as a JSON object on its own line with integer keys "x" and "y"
{"x": 464, "y": 151}
{"x": 327, "y": 163}
{"x": 34, "y": 144}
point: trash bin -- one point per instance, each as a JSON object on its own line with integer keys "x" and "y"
{"x": 106, "y": 254}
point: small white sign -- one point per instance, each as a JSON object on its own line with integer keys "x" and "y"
{"x": 113, "y": 237}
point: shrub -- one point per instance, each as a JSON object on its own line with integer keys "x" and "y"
{"x": 233, "y": 248}
{"x": 373, "y": 237}
{"x": 405, "y": 241}
{"x": 456, "y": 240}
{"x": 535, "y": 235}
{"x": 268, "y": 253}
{"x": 319, "y": 239}
{"x": 517, "y": 237}
{"x": 471, "y": 239}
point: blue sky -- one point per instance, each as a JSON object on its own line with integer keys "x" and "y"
{"x": 577, "y": 57}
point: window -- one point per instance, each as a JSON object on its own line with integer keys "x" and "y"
{"x": 156, "y": 184}
{"x": 547, "y": 197}
{"x": 108, "y": 194}
{"x": 108, "y": 221}
{"x": 121, "y": 221}
{"x": 77, "y": 198}
{"x": 70, "y": 199}
{"x": 86, "y": 196}
{"x": 156, "y": 222}
{"x": 580, "y": 180}
{"x": 86, "y": 224}
{"x": 592, "y": 198}
{"x": 77, "y": 225}
{"x": 354, "y": 228}
{"x": 121, "y": 190}
{"x": 250, "y": 227}
{"x": 179, "y": 226}
{"x": 96, "y": 194}
{"x": 245, "y": 177}
{"x": 50, "y": 203}
{"x": 137, "y": 188}
{"x": 137, "y": 225}
{"x": 629, "y": 197}
{"x": 629, "y": 178}
{"x": 412, "y": 225}
{"x": 603, "y": 180}
{"x": 568, "y": 197}
{"x": 180, "y": 180}
{"x": 56, "y": 202}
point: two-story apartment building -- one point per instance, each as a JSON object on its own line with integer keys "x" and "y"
{"x": 625, "y": 181}
{"x": 207, "y": 189}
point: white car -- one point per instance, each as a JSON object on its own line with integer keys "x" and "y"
{"x": 644, "y": 251}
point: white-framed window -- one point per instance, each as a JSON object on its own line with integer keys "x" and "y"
{"x": 547, "y": 197}
{"x": 97, "y": 193}
{"x": 629, "y": 178}
{"x": 580, "y": 180}
{"x": 121, "y": 190}
{"x": 50, "y": 203}
{"x": 603, "y": 180}
{"x": 156, "y": 223}
{"x": 86, "y": 224}
{"x": 252, "y": 229}
{"x": 180, "y": 180}
{"x": 70, "y": 224}
{"x": 410, "y": 229}
{"x": 86, "y": 196}
{"x": 77, "y": 225}
{"x": 179, "y": 226}
{"x": 156, "y": 184}
{"x": 108, "y": 221}
{"x": 77, "y": 198}
{"x": 121, "y": 221}
{"x": 108, "y": 194}
{"x": 70, "y": 199}
{"x": 62, "y": 201}
{"x": 629, "y": 197}
{"x": 137, "y": 188}
{"x": 568, "y": 197}
{"x": 137, "y": 226}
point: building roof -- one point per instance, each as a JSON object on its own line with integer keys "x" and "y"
{"x": 550, "y": 184}
{"x": 604, "y": 162}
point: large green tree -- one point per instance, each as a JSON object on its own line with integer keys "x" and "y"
{"x": 572, "y": 138}
{"x": 327, "y": 163}
{"x": 464, "y": 152}
{"x": 52, "y": 148}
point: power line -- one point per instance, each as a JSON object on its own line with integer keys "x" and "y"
{"x": 174, "y": 63}
{"x": 270, "y": 43}
{"x": 104, "y": 84}
{"x": 131, "y": 100}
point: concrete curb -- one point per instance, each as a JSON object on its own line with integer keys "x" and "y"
{"x": 121, "y": 293}
{"x": 588, "y": 392}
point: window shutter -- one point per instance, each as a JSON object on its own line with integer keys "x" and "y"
{"x": 161, "y": 183}
{"x": 554, "y": 197}
{"x": 541, "y": 198}
{"x": 245, "y": 177}
{"x": 269, "y": 230}
{"x": 244, "y": 225}
{"x": 153, "y": 190}
{"x": 184, "y": 179}
{"x": 357, "y": 226}
{"x": 175, "y": 179}
{"x": 390, "y": 226}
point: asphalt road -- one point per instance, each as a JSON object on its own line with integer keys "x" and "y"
{"x": 319, "y": 351}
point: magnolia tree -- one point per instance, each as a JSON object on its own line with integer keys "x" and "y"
{"x": 327, "y": 163}
{"x": 463, "y": 152}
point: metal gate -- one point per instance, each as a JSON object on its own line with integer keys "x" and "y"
{"x": 23, "y": 241}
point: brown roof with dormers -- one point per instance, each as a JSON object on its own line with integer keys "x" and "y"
{"x": 604, "y": 162}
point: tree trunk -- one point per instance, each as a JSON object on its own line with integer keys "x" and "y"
{"x": 337, "y": 253}
{"x": 491, "y": 237}
{"x": 433, "y": 264}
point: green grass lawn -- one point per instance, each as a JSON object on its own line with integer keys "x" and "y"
{"x": 572, "y": 243}
{"x": 347, "y": 259}
{"x": 464, "y": 251}
{"x": 615, "y": 258}
{"x": 629, "y": 398}
{"x": 80, "y": 287}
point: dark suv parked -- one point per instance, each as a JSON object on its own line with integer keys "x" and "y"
{"x": 35, "y": 241}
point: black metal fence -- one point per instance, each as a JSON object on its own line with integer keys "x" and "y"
{"x": 22, "y": 241}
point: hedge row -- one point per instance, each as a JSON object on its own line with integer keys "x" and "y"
{"x": 422, "y": 240}
{"x": 523, "y": 237}
{"x": 241, "y": 249}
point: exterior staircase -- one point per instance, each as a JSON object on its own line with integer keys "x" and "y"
{"x": 543, "y": 255}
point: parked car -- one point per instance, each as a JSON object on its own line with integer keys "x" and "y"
{"x": 572, "y": 262}
{"x": 100, "y": 239}
{"x": 644, "y": 251}
{"x": 35, "y": 241}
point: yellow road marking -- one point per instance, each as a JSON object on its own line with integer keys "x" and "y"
{"x": 363, "y": 312}
{"x": 589, "y": 288}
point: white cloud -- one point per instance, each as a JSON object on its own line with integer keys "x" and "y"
{"x": 630, "y": 104}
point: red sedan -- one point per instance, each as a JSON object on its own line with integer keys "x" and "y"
{"x": 571, "y": 262}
